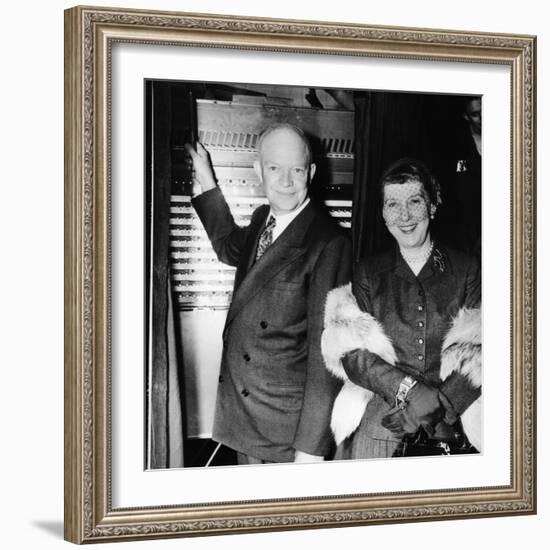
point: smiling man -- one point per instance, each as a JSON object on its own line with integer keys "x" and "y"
{"x": 275, "y": 396}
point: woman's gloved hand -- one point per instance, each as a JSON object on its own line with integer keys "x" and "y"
{"x": 424, "y": 406}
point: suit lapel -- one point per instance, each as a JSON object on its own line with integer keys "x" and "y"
{"x": 286, "y": 248}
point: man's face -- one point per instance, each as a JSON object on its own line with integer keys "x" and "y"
{"x": 284, "y": 169}
{"x": 472, "y": 115}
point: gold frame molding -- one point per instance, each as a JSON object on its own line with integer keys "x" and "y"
{"x": 89, "y": 35}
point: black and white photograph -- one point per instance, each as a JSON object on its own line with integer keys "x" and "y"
{"x": 296, "y": 297}
{"x": 312, "y": 274}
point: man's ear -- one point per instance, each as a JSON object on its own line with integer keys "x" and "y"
{"x": 258, "y": 169}
{"x": 433, "y": 210}
{"x": 312, "y": 169}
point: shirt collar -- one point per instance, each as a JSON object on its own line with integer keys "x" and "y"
{"x": 285, "y": 219}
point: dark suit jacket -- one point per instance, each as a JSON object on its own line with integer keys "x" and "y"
{"x": 275, "y": 395}
{"x": 416, "y": 313}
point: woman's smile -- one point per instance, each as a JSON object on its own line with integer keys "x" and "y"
{"x": 407, "y": 229}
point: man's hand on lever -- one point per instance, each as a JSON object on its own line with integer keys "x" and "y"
{"x": 203, "y": 174}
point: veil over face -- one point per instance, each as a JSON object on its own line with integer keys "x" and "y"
{"x": 406, "y": 212}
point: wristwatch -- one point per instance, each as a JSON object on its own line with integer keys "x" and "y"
{"x": 404, "y": 388}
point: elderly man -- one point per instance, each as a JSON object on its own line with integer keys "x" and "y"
{"x": 275, "y": 396}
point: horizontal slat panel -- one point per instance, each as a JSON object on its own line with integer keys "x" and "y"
{"x": 199, "y": 279}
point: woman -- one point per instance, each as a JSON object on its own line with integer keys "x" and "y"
{"x": 406, "y": 338}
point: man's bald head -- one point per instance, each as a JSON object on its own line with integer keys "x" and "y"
{"x": 283, "y": 131}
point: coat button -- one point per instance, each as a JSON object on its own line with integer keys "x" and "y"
{"x": 421, "y": 340}
{"x": 246, "y": 357}
{"x": 421, "y": 292}
{"x": 421, "y": 357}
{"x": 245, "y": 392}
{"x": 420, "y": 324}
{"x": 220, "y": 379}
{"x": 420, "y": 308}
{"x": 263, "y": 324}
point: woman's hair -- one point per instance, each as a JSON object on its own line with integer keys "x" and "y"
{"x": 407, "y": 169}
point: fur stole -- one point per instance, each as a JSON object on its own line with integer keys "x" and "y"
{"x": 461, "y": 356}
{"x": 346, "y": 328}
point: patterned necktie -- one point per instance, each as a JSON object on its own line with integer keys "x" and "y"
{"x": 266, "y": 238}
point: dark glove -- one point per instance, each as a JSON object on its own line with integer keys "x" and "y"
{"x": 423, "y": 407}
{"x": 370, "y": 371}
{"x": 460, "y": 392}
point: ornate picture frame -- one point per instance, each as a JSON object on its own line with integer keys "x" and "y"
{"x": 90, "y": 36}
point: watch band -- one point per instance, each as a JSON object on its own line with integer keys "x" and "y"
{"x": 404, "y": 388}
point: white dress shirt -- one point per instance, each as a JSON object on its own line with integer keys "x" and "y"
{"x": 282, "y": 221}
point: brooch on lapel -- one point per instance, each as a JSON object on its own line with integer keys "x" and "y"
{"x": 439, "y": 260}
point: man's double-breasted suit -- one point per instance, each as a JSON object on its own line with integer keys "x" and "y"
{"x": 275, "y": 395}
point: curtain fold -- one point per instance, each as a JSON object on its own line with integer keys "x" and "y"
{"x": 175, "y": 413}
{"x": 165, "y": 415}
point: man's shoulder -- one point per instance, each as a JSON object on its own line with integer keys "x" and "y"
{"x": 324, "y": 227}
